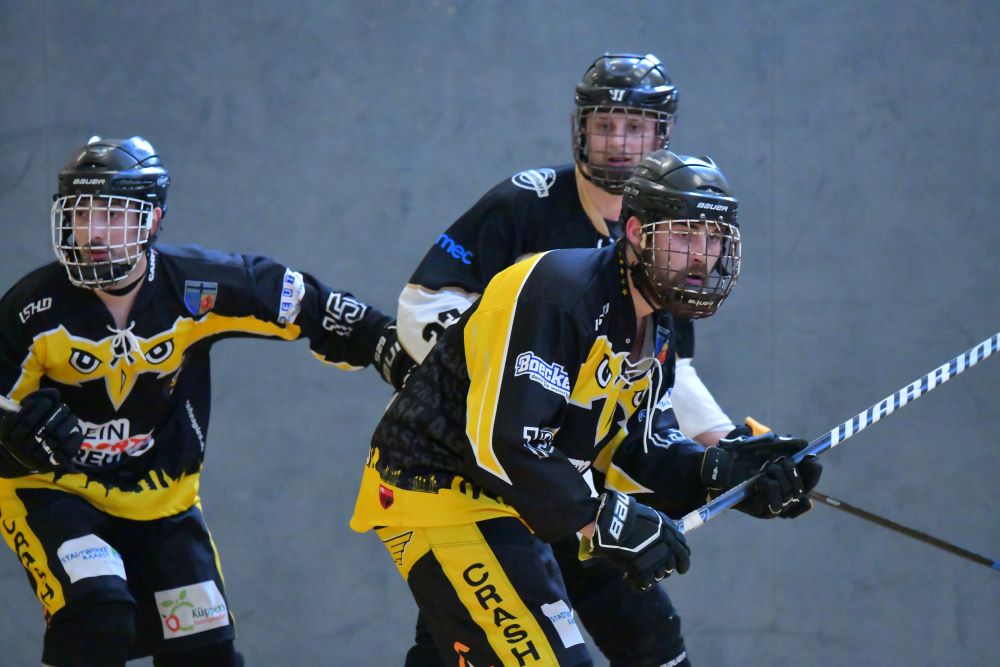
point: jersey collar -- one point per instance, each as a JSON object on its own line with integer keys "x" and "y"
{"x": 589, "y": 207}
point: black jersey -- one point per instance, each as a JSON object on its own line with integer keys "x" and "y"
{"x": 533, "y": 211}
{"x": 528, "y": 390}
{"x": 142, "y": 392}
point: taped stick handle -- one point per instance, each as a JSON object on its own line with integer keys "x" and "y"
{"x": 850, "y": 428}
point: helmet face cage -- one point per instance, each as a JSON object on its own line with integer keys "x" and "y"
{"x": 691, "y": 264}
{"x": 98, "y": 238}
{"x": 609, "y": 141}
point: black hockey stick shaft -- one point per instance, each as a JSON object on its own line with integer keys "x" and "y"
{"x": 899, "y": 528}
{"x": 851, "y": 427}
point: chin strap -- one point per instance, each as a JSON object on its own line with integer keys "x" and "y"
{"x": 639, "y": 278}
{"x": 122, "y": 291}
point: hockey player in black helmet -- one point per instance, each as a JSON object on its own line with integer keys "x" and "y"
{"x": 112, "y": 196}
{"x": 685, "y": 213}
{"x": 107, "y": 352}
{"x": 565, "y": 365}
{"x": 624, "y": 106}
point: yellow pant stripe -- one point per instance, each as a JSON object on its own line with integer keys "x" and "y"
{"x": 23, "y": 541}
{"x": 484, "y": 589}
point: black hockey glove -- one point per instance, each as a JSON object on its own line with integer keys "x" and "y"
{"x": 390, "y": 359}
{"x": 783, "y": 487}
{"x": 43, "y": 434}
{"x": 640, "y": 540}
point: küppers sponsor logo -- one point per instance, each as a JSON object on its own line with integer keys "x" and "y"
{"x": 90, "y": 556}
{"x": 539, "y": 180}
{"x": 191, "y": 609}
{"x": 551, "y": 376}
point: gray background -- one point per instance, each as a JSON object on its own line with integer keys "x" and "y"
{"x": 341, "y": 138}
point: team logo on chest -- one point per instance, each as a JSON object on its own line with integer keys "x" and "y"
{"x": 119, "y": 359}
{"x": 612, "y": 385}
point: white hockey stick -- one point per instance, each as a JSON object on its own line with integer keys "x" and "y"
{"x": 851, "y": 427}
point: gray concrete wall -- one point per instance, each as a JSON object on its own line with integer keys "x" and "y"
{"x": 861, "y": 137}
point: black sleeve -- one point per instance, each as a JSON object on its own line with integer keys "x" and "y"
{"x": 20, "y": 372}
{"x": 341, "y": 329}
{"x": 521, "y": 372}
{"x": 667, "y": 465}
{"x": 477, "y": 246}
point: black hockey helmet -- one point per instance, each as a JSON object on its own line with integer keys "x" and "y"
{"x": 120, "y": 180}
{"x": 685, "y": 206}
{"x": 629, "y": 84}
{"x": 119, "y": 167}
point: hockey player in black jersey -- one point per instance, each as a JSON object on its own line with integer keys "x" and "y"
{"x": 107, "y": 351}
{"x": 565, "y": 364}
{"x": 625, "y": 106}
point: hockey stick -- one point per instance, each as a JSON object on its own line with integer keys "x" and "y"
{"x": 850, "y": 428}
{"x": 760, "y": 429}
{"x": 909, "y": 532}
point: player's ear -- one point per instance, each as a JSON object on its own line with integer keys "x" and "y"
{"x": 157, "y": 214}
{"x": 632, "y": 226}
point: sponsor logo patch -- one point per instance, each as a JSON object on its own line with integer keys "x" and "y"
{"x": 539, "y": 180}
{"x": 90, "y": 556}
{"x": 106, "y": 442}
{"x": 448, "y": 244}
{"x": 293, "y": 288}
{"x": 561, "y": 616}
{"x": 551, "y": 376}
{"x": 39, "y": 306}
{"x": 191, "y": 609}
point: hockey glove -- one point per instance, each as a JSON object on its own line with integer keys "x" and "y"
{"x": 749, "y": 428}
{"x": 43, "y": 434}
{"x": 782, "y": 488}
{"x": 390, "y": 359}
{"x": 640, "y": 540}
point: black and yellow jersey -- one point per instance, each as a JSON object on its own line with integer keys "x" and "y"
{"x": 528, "y": 390}
{"x": 142, "y": 392}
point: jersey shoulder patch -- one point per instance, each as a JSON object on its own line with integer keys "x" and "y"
{"x": 539, "y": 180}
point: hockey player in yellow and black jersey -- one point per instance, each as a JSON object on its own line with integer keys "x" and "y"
{"x": 563, "y": 365}
{"x": 107, "y": 351}
{"x": 625, "y": 106}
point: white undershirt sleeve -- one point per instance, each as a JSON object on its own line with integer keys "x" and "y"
{"x": 696, "y": 409}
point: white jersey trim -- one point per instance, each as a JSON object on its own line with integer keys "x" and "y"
{"x": 419, "y": 307}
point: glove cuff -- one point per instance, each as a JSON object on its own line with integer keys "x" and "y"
{"x": 717, "y": 469}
